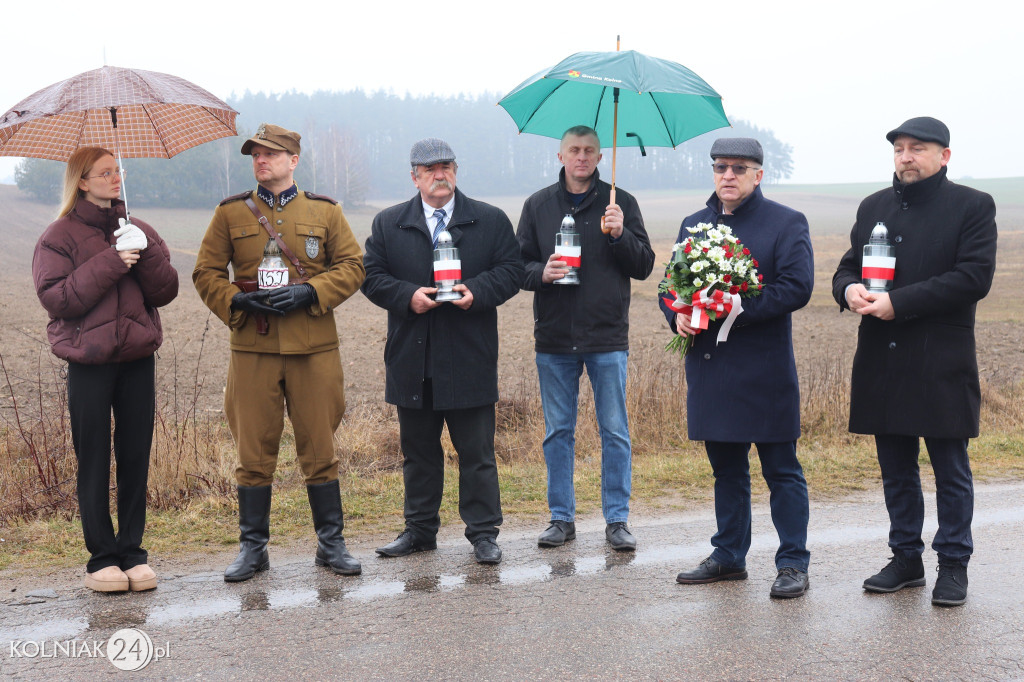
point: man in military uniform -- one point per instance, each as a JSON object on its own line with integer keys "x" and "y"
{"x": 284, "y": 343}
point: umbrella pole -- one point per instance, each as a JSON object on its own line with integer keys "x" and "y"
{"x": 615, "y": 134}
{"x": 120, "y": 163}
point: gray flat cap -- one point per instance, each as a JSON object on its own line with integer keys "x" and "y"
{"x": 924, "y": 128}
{"x": 738, "y": 148}
{"x": 430, "y": 151}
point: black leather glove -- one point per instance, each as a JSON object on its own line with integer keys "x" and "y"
{"x": 253, "y": 302}
{"x": 287, "y": 299}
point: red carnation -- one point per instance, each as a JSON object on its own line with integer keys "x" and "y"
{"x": 743, "y": 287}
{"x": 704, "y": 250}
{"x": 734, "y": 289}
{"x": 760, "y": 277}
{"x": 688, "y": 248}
{"x": 726, "y": 278}
{"x": 746, "y": 251}
{"x": 756, "y": 264}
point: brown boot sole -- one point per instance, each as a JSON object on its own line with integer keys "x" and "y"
{"x": 106, "y": 585}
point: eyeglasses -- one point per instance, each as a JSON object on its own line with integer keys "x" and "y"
{"x": 107, "y": 175}
{"x": 737, "y": 169}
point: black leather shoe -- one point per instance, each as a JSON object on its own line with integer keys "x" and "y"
{"x": 406, "y": 544}
{"x": 253, "y": 534}
{"x": 903, "y": 570}
{"x": 619, "y": 537}
{"x": 790, "y": 583}
{"x": 951, "y": 585}
{"x": 710, "y": 571}
{"x": 486, "y": 551}
{"x": 329, "y": 522}
{"x": 557, "y": 534}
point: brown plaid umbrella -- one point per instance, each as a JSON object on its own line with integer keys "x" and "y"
{"x": 139, "y": 113}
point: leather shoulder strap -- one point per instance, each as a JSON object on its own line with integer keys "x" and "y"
{"x": 275, "y": 236}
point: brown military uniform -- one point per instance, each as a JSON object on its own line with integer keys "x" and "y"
{"x": 298, "y": 360}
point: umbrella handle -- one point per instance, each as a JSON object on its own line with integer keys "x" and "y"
{"x": 615, "y": 132}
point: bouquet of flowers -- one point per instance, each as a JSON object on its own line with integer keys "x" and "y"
{"x": 710, "y": 272}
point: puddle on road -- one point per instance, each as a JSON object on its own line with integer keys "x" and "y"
{"x": 102, "y": 616}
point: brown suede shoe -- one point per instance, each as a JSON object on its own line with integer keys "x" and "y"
{"x": 109, "y": 579}
{"x": 141, "y": 578}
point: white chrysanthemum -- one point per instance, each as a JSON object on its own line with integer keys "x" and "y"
{"x": 694, "y": 230}
{"x": 731, "y": 239}
{"x": 716, "y": 254}
{"x": 726, "y": 265}
{"x": 715, "y": 235}
{"x": 698, "y": 282}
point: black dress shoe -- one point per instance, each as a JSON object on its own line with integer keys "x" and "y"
{"x": 710, "y": 571}
{"x": 619, "y": 537}
{"x": 406, "y": 544}
{"x": 486, "y": 551}
{"x": 790, "y": 583}
{"x": 557, "y": 534}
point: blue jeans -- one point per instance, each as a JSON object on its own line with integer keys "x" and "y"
{"x": 788, "y": 501}
{"x": 954, "y": 495}
{"x": 559, "y": 375}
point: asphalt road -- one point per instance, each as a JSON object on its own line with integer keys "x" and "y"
{"x": 580, "y": 612}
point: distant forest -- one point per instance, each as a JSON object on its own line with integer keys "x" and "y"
{"x": 355, "y": 146}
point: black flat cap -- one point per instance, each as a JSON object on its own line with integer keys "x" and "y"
{"x": 737, "y": 148}
{"x": 924, "y": 128}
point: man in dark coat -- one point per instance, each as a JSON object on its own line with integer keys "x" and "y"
{"x": 915, "y": 373}
{"x": 744, "y": 390}
{"x": 584, "y": 326}
{"x": 441, "y": 358}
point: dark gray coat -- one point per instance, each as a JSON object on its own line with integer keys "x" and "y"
{"x": 458, "y": 348}
{"x": 745, "y": 390}
{"x": 917, "y": 375}
{"x": 594, "y": 316}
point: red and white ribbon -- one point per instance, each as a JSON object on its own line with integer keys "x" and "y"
{"x": 447, "y": 270}
{"x": 570, "y": 254}
{"x": 878, "y": 267}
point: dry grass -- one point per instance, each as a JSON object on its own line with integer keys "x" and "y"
{"x": 191, "y": 489}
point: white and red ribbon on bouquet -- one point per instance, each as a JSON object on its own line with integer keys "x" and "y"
{"x": 703, "y": 301}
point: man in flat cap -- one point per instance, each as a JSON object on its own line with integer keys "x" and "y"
{"x": 441, "y": 357}
{"x": 284, "y": 342}
{"x": 751, "y": 375}
{"x": 584, "y": 326}
{"x": 915, "y": 373}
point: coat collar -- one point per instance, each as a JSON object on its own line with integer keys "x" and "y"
{"x": 591, "y": 193}
{"x": 97, "y": 216}
{"x": 922, "y": 190}
{"x": 748, "y": 205}
{"x": 464, "y": 213}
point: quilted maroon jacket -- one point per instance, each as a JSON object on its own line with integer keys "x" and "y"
{"x": 100, "y": 310}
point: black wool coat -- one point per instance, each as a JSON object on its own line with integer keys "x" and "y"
{"x": 457, "y": 348}
{"x": 745, "y": 390}
{"x": 917, "y": 375}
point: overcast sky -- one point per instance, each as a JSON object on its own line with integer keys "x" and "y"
{"x": 827, "y": 79}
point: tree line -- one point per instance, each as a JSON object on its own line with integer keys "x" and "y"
{"x": 355, "y": 146}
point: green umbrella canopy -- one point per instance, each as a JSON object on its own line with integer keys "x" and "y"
{"x": 661, "y": 103}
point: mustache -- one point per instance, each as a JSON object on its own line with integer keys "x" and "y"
{"x": 440, "y": 184}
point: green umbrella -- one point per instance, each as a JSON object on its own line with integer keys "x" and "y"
{"x": 661, "y": 103}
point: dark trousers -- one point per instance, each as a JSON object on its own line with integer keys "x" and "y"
{"x": 127, "y": 389}
{"x": 789, "y": 504}
{"x": 954, "y": 494}
{"x": 472, "y": 434}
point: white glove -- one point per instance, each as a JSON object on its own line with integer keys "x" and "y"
{"x": 130, "y": 237}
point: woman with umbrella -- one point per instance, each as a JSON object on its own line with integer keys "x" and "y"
{"x": 101, "y": 279}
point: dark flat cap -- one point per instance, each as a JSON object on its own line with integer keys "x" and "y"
{"x": 924, "y": 128}
{"x": 737, "y": 148}
{"x": 430, "y": 151}
{"x": 273, "y": 137}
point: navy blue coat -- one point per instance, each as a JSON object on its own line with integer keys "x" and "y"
{"x": 458, "y": 348}
{"x": 917, "y": 375}
{"x": 745, "y": 389}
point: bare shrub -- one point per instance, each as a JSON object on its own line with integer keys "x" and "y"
{"x": 367, "y": 441}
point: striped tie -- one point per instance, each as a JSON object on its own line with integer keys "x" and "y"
{"x": 439, "y": 214}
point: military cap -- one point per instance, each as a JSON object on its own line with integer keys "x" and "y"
{"x": 737, "y": 148}
{"x": 430, "y": 151}
{"x": 924, "y": 128}
{"x": 273, "y": 137}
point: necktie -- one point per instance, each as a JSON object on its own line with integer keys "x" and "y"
{"x": 439, "y": 214}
